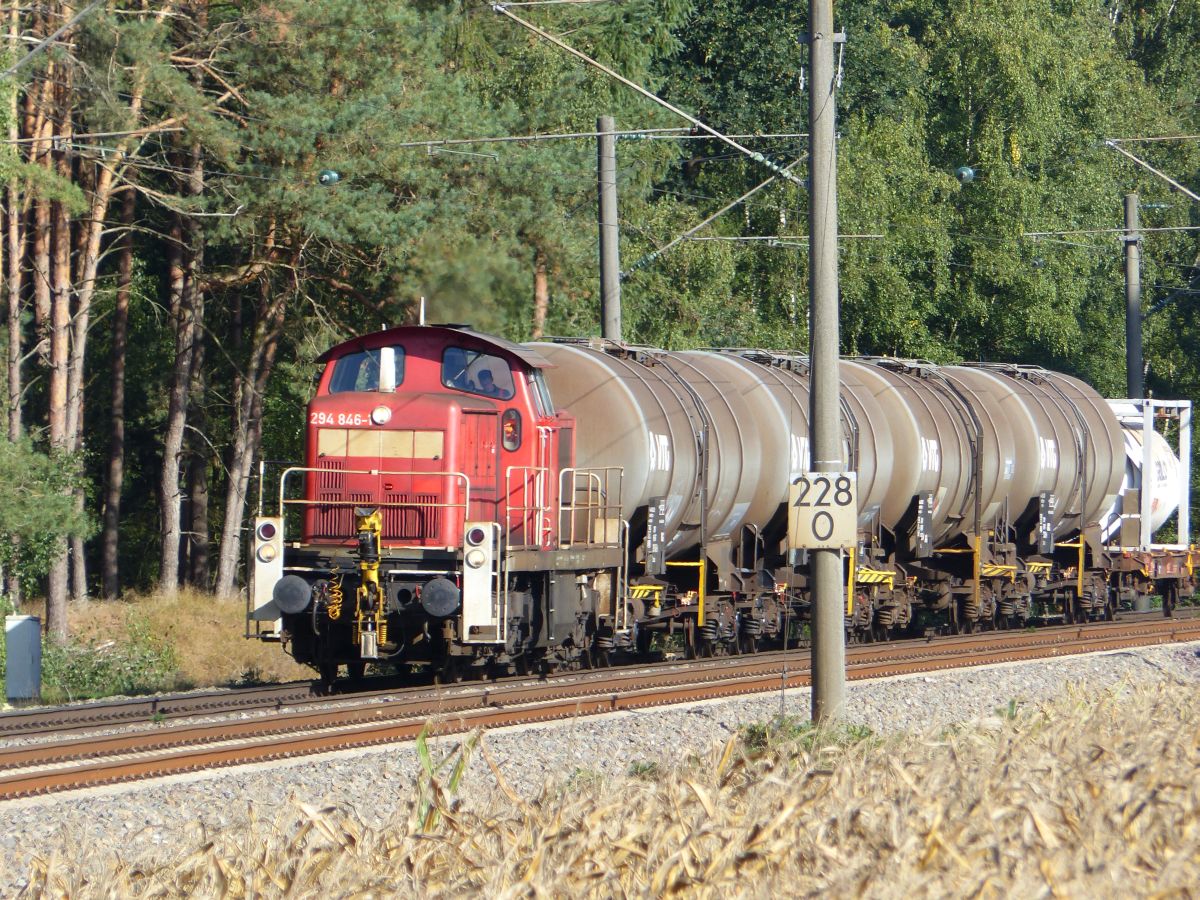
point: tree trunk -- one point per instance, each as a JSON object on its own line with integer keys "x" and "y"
{"x": 60, "y": 358}
{"x": 247, "y": 430}
{"x": 188, "y": 329}
{"x": 541, "y": 293}
{"x": 41, "y": 271}
{"x": 41, "y": 125}
{"x": 15, "y": 245}
{"x": 198, "y": 542}
{"x": 12, "y": 234}
{"x": 13, "y": 248}
{"x": 169, "y": 493}
{"x": 110, "y": 551}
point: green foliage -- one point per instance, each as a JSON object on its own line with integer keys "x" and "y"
{"x": 1022, "y": 93}
{"x": 646, "y": 770}
{"x": 802, "y": 734}
{"x": 434, "y": 793}
{"x": 141, "y": 664}
{"x": 1009, "y": 711}
{"x": 37, "y": 511}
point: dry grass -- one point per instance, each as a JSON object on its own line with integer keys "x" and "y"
{"x": 205, "y": 633}
{"x": 1088, "y": 798}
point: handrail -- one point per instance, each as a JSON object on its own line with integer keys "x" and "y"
{"x": 621, "y": 619}
{"x": 538, "y": 512}
{"x": 607, "y": 506}
{"x": 284, "y": 502}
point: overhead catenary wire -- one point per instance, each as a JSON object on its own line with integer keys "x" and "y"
{"x": 1116, "y": 145}
{"x": 684, "y": 134}
{"x": 649, "y": 95}
{"x": 1109, "y": 230}
{"x": 650, "y": 257}
{"x": 1158, "y": 137}
{"x": 46, "y": 42}
{"x": 72, "y": 138}
{"x": 776, "y": 238}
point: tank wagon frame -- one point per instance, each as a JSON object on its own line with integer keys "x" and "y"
{"x": 470, "y": 504}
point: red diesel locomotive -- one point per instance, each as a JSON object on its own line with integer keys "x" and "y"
{"x": 428, "y": 450}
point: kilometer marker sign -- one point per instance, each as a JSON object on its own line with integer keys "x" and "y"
{"x": 824, "y": 511}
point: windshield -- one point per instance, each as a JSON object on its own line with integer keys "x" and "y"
{"x": 476, "y": 373}
{"x": 360, "y": 371}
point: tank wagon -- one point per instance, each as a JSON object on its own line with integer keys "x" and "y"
{"x": 470, "y": 503}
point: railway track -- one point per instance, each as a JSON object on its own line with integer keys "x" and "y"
{"x": 82, "y": 762}
{"x": 79, "y": 717}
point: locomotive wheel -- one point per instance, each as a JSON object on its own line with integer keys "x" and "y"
{"x": 329, "y": 673}
{"x": 451, "y": 671}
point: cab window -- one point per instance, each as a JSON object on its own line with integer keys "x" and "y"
{"x": 360, "y": 371}
{"x": 477, "y": 373}
{"x": 542, "y": 392}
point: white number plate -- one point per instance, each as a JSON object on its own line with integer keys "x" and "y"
{"x": 823, "y": 511}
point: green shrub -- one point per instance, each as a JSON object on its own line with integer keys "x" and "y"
{"x": 140, "y": 665}
{"x": 782, "y": 731}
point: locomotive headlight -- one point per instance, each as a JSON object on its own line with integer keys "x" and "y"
{"x": 381, "y": 415}
{"x": 267, "y": 553}
{"x": 476, "y": 558}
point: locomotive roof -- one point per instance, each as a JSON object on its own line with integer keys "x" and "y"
{"x": 527, "y": 355}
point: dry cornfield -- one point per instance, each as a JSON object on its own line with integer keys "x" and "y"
{"x": 1087, "y": 797}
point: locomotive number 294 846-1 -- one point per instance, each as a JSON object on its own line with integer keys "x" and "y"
{"x": 325, "y": 418}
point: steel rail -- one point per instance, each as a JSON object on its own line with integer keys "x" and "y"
{"x": 263, "y": 698}
{"x": 116, "y": 758}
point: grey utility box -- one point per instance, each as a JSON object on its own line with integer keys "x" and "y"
{"x": 23, "y": 650}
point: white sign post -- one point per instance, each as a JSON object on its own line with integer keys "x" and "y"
{"x": 823, "y": 511}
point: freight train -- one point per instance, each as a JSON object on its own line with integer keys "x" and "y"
{"x": 472, "y": 505}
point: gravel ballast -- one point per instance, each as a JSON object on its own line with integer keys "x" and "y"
{"x": 143, "y": 821}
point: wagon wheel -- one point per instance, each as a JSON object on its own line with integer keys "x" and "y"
{"x": 1068, "y": 607}
{"x": 1110, "y": 606}
{"x": 1170, "y": 597}
{"x": 1081, "y": 615}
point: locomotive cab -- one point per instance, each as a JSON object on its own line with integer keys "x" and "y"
{"x": 424, "y": 423}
